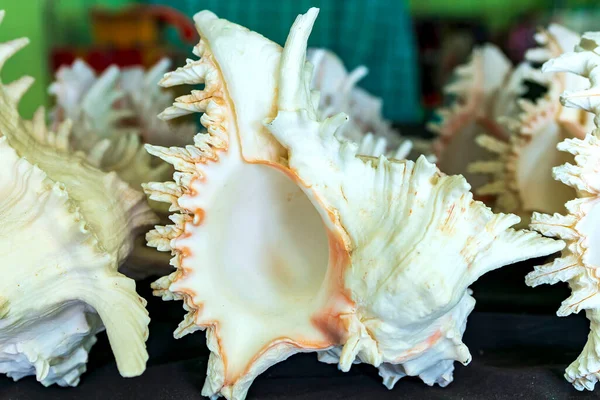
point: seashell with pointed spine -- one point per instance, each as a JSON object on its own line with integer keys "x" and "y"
{"x": 115, "y": 114}
{"x": 484, "y": 89}
{"x": 578, "y": 227}
{"x": 521, "y": 172}
{"x": 288, "y": 241}
{"x": 64, "y": 228}
{"x": 147, "y": 99}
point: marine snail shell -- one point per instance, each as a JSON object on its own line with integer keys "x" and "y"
{"x": 579, "y": 262}
{"x": 339, "y": 93}
{"x": 286, "y": 240}
{"x": 100, "y": 107}
{"x": 146, "y": 100}
{"x": 482, "y": 91}
{"x": 65, "y": 227}
{"x": 522, "y": 171}
{"x": 114, "y": 114}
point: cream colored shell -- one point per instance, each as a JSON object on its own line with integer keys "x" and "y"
{"x": 522, "y": 171}
{"x": 115, "y": 114}
{"x": 287, "y": 240}
{"x": 65, "y": 227}
{"x": 579, "y": 260}
{"x": 484, "y": 89}
{"x": 339, "y": 93}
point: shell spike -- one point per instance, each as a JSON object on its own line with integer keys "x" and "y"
{"x": 584, "y": 372}
{"x": 9, "y": 49}
{"x": 126, "y": 321}
{"x": 18, "y": 88}
{"x": 294, "y": 93}
{"x": 194, "y": 72}
{"x": 156, "y": 71}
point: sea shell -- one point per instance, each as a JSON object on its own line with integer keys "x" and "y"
{"x": 287, "y": 241}
{"x": 578, "y": 262}
{"x": 64, "y": 228}
{"x": 114, "y": 115}
{"x": 521, "y": 171}
{"x": 484, "y": 89}
{"x": 339, "y": 93}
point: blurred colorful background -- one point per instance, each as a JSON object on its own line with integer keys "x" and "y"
{"x": 410, "y": 47}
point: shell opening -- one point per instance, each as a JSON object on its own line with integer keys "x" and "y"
{"x": 266, "y": 260}
{"x": 271, "y": 252}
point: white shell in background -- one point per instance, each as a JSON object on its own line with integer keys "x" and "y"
{"x": 338, "y": 93}
{"x": 65, "y": 227}
{"x": 287, "y": 240}
{"x": 100, "y": 106}
{"x": 521, "y": 174}
{"x": 114, "y": 115}
{"x": 484, "y": 89}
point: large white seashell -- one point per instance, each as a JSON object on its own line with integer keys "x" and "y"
{"x": 521, "y": 173}
{"x": 288, "y": 241}
{"x": 65, "y": 227}
{"x": 578, "y": 264}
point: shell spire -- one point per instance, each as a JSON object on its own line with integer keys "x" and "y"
{"x": 80, "y": 220}
{"x": 579, "y": 226}
{"x": 327, "y": 247}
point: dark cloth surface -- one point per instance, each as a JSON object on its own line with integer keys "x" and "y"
{"x": 515, "y": 356}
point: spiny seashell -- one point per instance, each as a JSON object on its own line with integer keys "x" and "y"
{"x": 522, "y": 171}
{"x": 288, "y": 241}
{"x": 366, "y": 125}
{"x": 64, "y": 228}
{"x": 482, "y": 91}
{"x": 338, "y": 93}
{"x": 115, "y": 115}
{"x": 98, "y": 123}
{"x": 578, "y": 263}
{"x": 119, "y": 105}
